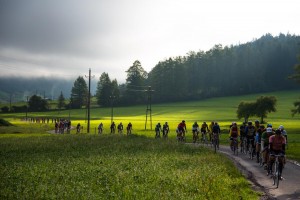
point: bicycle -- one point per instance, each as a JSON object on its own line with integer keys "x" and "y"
{"x": 157, "y": 134}
{"x": 276, "y": 175}
{"x": 165, "y": 133}
{"x": 250, "y": 149}
{"x": 129, "y": 131}
{"x": 120, "y": 131}
{"x": 180, "y": 136}
{"x": 195, "y": 136}
{"x": 235, "y": 146}
{"x": 204, "y": 139}
{"x": 215, "y": 141}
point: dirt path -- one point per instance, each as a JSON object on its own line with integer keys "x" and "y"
{"x": 289, "y": 187}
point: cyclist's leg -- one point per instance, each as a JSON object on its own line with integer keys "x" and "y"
{"x": 280, "y": 159}
{"x": 271, "y": 162}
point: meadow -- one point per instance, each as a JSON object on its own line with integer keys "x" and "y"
{"x": 37, "y": 165}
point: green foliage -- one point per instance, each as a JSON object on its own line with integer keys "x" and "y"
{"x": 61, "y": 101}
{"x": 104, "y": 90}
{"x": 260, "y": 108}
{"x": 4, "y": 123}
{"x": 135, "y": 81}
{"x": 114, "y": 167}
{"x": 258, "y": 66}
{"x": 246, "y": 110}
{"x": 5, "y": 109}
{"x": 37, "y": 104}
{"x": 296, "y": 110}
{"x": 79, "y": 93}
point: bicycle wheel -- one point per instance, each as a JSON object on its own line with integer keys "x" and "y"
{"x": 245, "y": 147}
{"x": 236, "y": 152}
{"x": 215, "y": 145}
{"x": 277, "y": 175}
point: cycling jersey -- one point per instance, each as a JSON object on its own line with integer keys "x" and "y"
{"x": 234, "y": 132}
{"x": 277, "y": 141}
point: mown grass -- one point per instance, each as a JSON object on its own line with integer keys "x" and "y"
{"x": 114, "y": 167}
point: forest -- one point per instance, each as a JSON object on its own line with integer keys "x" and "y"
{"x": 262, "y": 65}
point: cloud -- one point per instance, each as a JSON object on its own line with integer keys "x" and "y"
{"x": 52, "y": 37}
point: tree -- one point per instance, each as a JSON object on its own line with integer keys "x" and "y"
{"x": 104, "y": 90}
{"x": 265, "y": 105}
{"x": 37, "y": 103}
{"x": 246, "y": 110}
{"x": 296, "y": 77}
{"x": 79, "y": 93}
{"x": 61, "y": 101}
{"x": 5, "y": 109}
{"x": 135, "y": 81}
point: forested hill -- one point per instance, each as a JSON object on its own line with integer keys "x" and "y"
{"x": 262, "y": 65}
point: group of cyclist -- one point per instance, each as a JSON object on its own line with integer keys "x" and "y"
{"x": 208, "y": 132}
{"x": 265, "y": 142}
{"x": 164, "y": 130}
{"x": 113, "y": 128}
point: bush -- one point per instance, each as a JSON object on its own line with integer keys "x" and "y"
{"x": 5, "y": 109}
{"x": 4, "y": 123}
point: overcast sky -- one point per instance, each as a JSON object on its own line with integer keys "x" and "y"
{"x": 67, "y": 37}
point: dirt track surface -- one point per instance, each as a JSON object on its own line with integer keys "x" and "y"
{"x": 289, "y": 187}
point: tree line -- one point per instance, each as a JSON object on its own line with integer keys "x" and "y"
{"x": 263, "y": 65}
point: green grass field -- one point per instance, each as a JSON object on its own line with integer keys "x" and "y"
{"x": 81, "y": 166}
{"x": 35, "y": 164}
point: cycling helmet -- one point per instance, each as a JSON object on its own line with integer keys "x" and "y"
{"x": 281, "y": 127}
{"x": 256, "y": 121}
{"x": 277, "y": 132}
{"x": 166, "y": 123}
{"x": 269, "y": 125}
{"x": 269, "y": 130}
{"x": 183, "y": 121}
{"x": 250, "y": 123}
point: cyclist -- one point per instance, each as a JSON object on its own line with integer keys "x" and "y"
{"x": 256, "y": 125}
{"x": 78, "y": 128}
{"x": 284, "y": 133}
{"x": 129, "y": 128}
{"x": 258, "y": 141}
{"x": 120, "y": 128}
{"x": 277, "y": 146}
{"x": 195, "y": 131}
{"x": 100, "y": 128}
{"x": 242, "y": 134}
{"x": 265, "y": 144}
{"x": 204, "y": 129}
{"x": 216, "y": 131}
{"x": 112, "y": 127}
{"x": 165, "y": 129}
{"x": 250, "y": 134}
{"x": 182, "y": 127}
{"x": 233, "y": 134}
{"x": 210, "y": 128}
{"x": 157, "y": 130}
{"x": 56, "y": 127}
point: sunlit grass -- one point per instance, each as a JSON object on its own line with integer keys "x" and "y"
{"x": 114, "y": 167}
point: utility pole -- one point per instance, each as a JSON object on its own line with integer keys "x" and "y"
{"x": 149, "y": 109}
{"x": 112, "y": 97}
{"x": 89, "y": 101}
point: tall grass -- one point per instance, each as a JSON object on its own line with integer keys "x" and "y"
{"x": 114, "y": 167}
